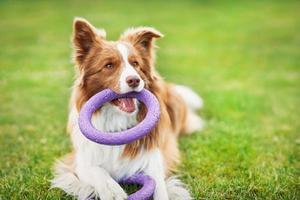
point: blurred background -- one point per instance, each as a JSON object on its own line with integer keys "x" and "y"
{"x": 242, "y": 57}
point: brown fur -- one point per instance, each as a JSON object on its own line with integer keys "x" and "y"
{"x": 93, "y": 52}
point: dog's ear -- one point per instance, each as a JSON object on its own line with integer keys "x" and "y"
{"x": 85, "y": 37}
{"x": 142, "y": 38}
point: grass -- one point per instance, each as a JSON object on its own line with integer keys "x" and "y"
{"x": 242, "y": 57}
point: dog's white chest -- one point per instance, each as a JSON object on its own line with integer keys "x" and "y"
{"x": 109, "y": 157}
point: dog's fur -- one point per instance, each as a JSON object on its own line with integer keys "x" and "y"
{"x": 93, "y": 170}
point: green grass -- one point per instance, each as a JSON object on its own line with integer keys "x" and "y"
{"x": 242, "y": 57}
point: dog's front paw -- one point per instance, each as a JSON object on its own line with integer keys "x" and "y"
{"x": 111, "y": 190}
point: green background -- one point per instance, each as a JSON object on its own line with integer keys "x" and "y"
{"x": 242, "y": 57}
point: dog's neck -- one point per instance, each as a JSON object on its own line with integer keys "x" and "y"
{"x": 111, "y": 119}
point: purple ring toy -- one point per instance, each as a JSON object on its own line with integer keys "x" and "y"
{"x": 123, "y": 137}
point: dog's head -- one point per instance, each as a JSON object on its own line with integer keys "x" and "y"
{"x": 125, "y": 65}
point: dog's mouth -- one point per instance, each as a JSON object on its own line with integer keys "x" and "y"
{"x": 125, "y": 104}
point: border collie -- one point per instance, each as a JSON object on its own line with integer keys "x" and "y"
{"x": 93, "y": 170}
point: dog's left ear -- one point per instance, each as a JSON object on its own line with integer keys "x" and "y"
{"x": 141, "y": 38}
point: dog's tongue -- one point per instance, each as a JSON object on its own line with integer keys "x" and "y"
{"x": 125, "y": 104}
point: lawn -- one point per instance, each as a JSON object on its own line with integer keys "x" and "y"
{"x": 242, "y": 57}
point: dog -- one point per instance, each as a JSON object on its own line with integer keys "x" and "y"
{"x": 93, "y": 170}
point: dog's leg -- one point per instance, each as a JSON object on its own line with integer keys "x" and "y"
{"x": 177, "y": 189}
{"x": 155, "y": 169}
{"x": 166, "y": 189}
{"x": 105, "y": 187}
{"x": 66, "y": 179}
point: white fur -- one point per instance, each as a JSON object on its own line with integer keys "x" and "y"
{"x": 65, "y": 179}
{"x": 101, "y": 33}
{"x": 192, "y": 99}
{"x": 177, "y": 190}
{"x": 195, "y": 123}
{"x": 128, "y": 70}
{"x": 99, "y": 167}
{"x": 156, "y": 169}
{"x": 194, "y": 103}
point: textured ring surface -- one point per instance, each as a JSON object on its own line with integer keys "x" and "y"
{"x": 122, "y": 137}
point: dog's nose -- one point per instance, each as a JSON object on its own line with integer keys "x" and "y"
{"x": 133, "y": 81}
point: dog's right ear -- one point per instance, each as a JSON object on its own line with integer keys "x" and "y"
{"x": 85, "y": 37}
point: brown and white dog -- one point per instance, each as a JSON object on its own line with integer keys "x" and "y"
{"x": 93, "y": 170}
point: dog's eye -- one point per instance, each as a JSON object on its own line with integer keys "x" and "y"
{"x": 135, "y": 63}
{"x": 109, "y": 65}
